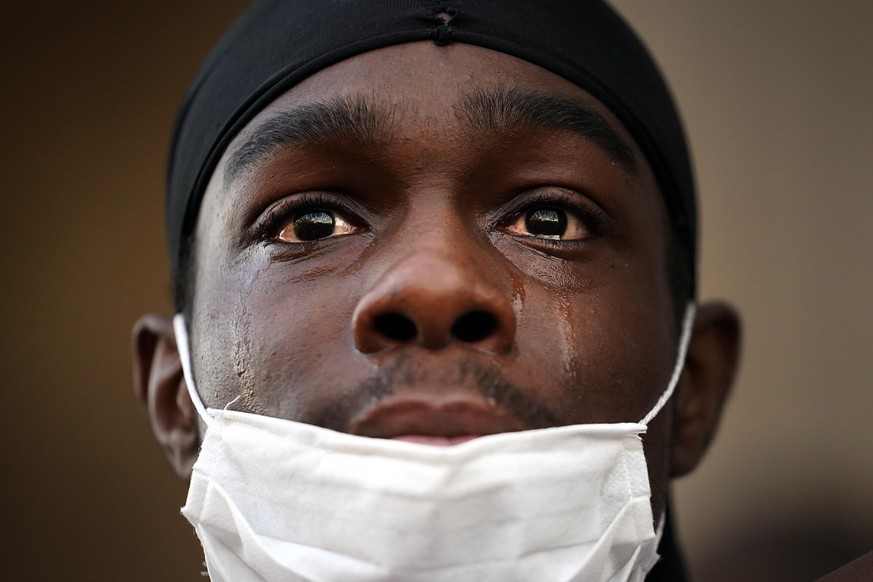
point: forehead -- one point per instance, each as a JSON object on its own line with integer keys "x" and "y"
{"x": 418, "y": 87}
{"x": 427, "y": 69}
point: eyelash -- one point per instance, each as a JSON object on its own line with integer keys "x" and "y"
{"x": 267, "y": 227}
{"x": 596, "y": 220}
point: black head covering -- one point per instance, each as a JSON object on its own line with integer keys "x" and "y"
{"x": 277, "y": 43}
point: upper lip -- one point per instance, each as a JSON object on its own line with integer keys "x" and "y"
{"x": 445, "y": 419}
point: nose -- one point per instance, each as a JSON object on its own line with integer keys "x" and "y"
{"x": 433, "y": 301}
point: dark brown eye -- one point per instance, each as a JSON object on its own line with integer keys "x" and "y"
{"x": 548, "y": 222}
{"x": 314, "y": 225}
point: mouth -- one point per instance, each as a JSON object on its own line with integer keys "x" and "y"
{"x": 436, "y": 424}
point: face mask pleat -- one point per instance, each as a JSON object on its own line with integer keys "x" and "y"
{"x": 511, "y": 503}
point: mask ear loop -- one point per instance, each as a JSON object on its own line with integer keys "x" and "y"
{"x": 684, "y": 340}
{"x": 183, "y": 348}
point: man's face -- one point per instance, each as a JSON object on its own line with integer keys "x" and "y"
{"x": 440, "y": 242}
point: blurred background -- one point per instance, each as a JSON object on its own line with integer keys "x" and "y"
{"x": 778, "y": 101}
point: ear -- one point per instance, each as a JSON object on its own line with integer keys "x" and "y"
{"x": 160, "y": 386}
{"x": 710, "y": 367}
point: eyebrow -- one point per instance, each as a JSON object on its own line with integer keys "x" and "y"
{"x": 363, "y": 120}
{"x": 346, "y": 117}
{"x": 514, "y": 108}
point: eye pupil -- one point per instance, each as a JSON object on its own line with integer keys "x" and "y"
{"x": 314, "y": 225}
{"x": 546, "y": 222}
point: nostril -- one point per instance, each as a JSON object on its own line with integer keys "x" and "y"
{"x": 395, "y": 326}
{"x": 474, "y": 326}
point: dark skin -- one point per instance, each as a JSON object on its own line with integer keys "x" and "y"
{"x": 436, "y": 274}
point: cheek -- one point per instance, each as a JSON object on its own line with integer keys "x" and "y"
{"x": 280, "y": 333}
{"x": 601, "y": 346}
{"x": 302, "y": 340}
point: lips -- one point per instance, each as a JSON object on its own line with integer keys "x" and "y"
{"x": 442, "y": 424}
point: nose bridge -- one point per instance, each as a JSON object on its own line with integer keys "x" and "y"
{"x": 435, "y": 295}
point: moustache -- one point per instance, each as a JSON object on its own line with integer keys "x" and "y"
{"x": 480, "y": 381}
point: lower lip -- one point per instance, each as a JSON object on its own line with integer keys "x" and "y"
{"x": 435, "y": 441}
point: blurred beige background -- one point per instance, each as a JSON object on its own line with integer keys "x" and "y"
{"x": 778, "y": 100}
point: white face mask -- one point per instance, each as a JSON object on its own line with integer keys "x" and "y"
{"x": 277, "y": 500}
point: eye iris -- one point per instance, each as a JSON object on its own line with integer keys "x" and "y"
{"x": 546, "y": 222}
{"x": 314, "y": 225}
